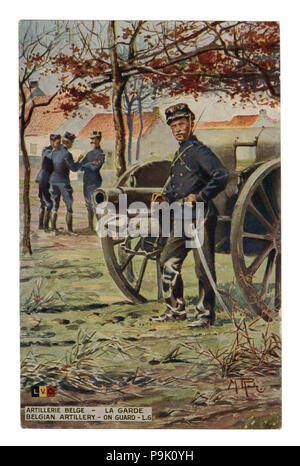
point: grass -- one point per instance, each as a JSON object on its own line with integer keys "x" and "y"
{"x": 249, "y": 355}
{"x": 272, "y": 421}
{"x": 37, "y": 301}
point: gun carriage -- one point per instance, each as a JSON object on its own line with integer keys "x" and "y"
{"x": 248, "y": 225}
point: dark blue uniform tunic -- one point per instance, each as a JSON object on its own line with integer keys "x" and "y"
{"x": 195, "y": 170}
{"x": 91, "y": 177}
{"x": 60, "y": 179}
{"x": 43, "y": 178}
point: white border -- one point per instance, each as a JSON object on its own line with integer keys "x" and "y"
{"x": 287, "y": 14}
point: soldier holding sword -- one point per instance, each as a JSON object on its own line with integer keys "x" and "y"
{"x": 196, "y": 175}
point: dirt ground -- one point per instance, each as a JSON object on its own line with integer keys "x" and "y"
{"x": 99, "y": 349}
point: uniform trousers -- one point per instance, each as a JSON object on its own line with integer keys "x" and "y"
{"x": 65, "y": 191}
{"x": 171, "y": 260}
{"x": 44, "y": 196}
{"x": 88, "y": 193}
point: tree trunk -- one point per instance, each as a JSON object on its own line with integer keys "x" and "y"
{"x": 26, "y": 195}
{"x": 130, "y": 134}
{"x": 118, "y": 85}
{"x": 141, "y": 130}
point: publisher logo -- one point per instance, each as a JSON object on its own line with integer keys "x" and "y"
{"x": 42, "y": 391}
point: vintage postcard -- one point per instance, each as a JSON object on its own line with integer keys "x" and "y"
{"x": 150, "y": 257}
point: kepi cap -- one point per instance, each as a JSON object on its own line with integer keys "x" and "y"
{"x": 55, "y": 137}
{"x": 69, "y": 136}
{"x": 178, "y": 111}
{"x": 96, "y": 134}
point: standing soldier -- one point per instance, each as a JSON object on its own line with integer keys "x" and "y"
{"x": 91, "y": 165}
{"x": 196, "y": 175}
{"x": 60, "y": 179}
{"x": 43, "y": 181}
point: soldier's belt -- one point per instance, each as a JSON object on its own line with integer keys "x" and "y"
{"x": 156, "y": 196}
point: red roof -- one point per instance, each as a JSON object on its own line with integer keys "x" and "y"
{"x": 46, "y": 119}
{"x": 238, "y": 121}
{"x": 104, "y": 122}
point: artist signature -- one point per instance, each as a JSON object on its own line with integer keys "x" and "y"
{"x": 245, "y": 383}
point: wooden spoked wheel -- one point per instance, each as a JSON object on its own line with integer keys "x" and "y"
{"x": 255, "y": 240}
{"x": 133, "y": 263}
{"x": 128, "y": 260}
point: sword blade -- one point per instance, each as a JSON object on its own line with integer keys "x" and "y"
{"x": 208, "y": 272}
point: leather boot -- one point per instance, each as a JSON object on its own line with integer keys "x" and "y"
{"x": 204, "y": 317}
{"x": 90, "y": 219}
{"x": 69, "y": 221}
{"x": 172, "y": 314}
{"x": 41, "y": 219}
{"x": 53, "y": 221}
{"x": 47, "y": 219}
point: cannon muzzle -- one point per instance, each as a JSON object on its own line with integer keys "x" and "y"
{"x": 133, "y": 195}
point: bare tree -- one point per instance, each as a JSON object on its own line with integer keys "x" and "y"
{"x": 138, "y": 96}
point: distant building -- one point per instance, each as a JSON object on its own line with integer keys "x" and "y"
{"x": 157, "y": 140}
{"x": 241, "y": 128}
{"x": 264, "y": 120}
{"x": 155, "y": 135}
{"x": 50, "y": 119}
{"x": 44, "y": 121}
{"x": 240, "y": 121}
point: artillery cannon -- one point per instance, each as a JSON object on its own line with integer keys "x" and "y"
{"x": 248, "y": 225}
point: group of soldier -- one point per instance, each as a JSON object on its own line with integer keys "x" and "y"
{"x": 54, "y": 178}
{"x": 196, "y": 175}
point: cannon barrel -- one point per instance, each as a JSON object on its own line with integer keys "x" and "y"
{"x": 133, "y": 195}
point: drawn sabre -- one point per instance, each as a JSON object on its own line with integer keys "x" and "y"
{"x": 207, "y": 270}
